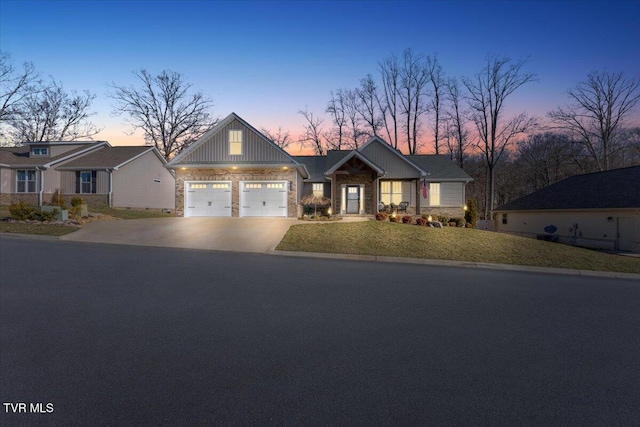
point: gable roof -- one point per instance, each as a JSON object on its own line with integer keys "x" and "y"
{"x": 183, "y": 159}
{"x": 376, "y": 140}
{"x": 440, "y": 167}
{"x": 109, "y": 158}
{"x": 358, "y": 155}
{"x": 617, "y": 188}
{"x": 20, "y": 156}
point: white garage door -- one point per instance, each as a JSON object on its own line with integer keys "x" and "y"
{"x": 263, "y": 198}
{"x": 208, "y": 198}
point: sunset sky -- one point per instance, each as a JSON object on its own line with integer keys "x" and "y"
{"x": 266, "y": 60}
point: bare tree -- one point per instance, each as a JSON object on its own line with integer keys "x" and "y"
{"x": 15, "y": 84}
{"x": 162, "y": 106}
{"x": 413, "y": 79}
{"x": 369, "y": 105}
{"x": 312, "y": 136}
{"x": 390, "y": 98}
{"x": 455, "y": 130}
{"x": 280, "y": 137}
{"x": 487, "y": 92}
{"x": 48, "y": 113}
{"x": 547, "y": 158}
{"x": 351, "y": 109}
{"x": 598, "y": 108}
{"x": 336, "y": 110}
{"x": 438, "y": 84}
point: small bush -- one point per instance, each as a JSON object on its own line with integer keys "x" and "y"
{"x": 394, "y": 218}
{"x": 443, "y": 219}
{"x": 407, "y": 219}
{"x": 381, "y": 216}
{"x": 57, "y": 199}
{"x": 459, "y": 222}
{"x": 23, "y": 212}
{"x": 77, "y": 201}
{"x": 451, "y": 223}
{"x": 421, "y": 221}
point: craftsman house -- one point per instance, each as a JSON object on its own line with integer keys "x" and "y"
{"x": 125, "y": 177}
{"x": 235, "y": 171}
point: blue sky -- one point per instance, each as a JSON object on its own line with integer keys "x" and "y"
{"x": 266, "y": 60}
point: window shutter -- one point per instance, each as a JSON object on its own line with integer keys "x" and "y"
{"x": 77, "y": 182}
{"x": 94, "y": 179}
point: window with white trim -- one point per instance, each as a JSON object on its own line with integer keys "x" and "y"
{"x": 504, "y": 218}
{"x": 26, "y": 181}
{"x": 318, "y": 189}
{"x": 235, "y": 142}
{"x": 86, "y": 184}
{"x": 41, "y": 151}
{"x": 391, "y": 192}
{"x": 434, "y": 194}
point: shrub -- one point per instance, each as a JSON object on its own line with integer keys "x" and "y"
{"x": 471, "y": 215}
{"x": 421, "y": 221}
{"x": 443, "y": 219}
{"x": 456, "y": 222}
{"x": 77, "y": 201}
{"x": 394, "y": 218}
{"x": 57, "y": 199}
{"x": 23, "y": 212}
{"x": 381, "y": 216}
{"x": 407, "y": 219}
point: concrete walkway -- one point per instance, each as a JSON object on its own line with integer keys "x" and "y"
{"x": 223, "y": 234}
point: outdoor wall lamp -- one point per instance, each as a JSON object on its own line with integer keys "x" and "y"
{"x": 290, "y": 185}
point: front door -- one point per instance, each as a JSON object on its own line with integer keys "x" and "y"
{"x": 353, "y": 199}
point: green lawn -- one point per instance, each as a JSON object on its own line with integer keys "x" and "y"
{"x": 130, "y": 213}
{"x": 448, "y": 243}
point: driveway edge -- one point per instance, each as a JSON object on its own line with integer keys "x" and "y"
{"x": 467, "y": 264}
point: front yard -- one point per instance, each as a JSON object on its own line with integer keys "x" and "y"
{"x": 448, "y": 243}
{"x": 100, "y": 213}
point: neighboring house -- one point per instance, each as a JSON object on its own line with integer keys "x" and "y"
{"x": 598, "y": 210}
{"x": 235, "y": 171}
{"x": 132, "y": 177}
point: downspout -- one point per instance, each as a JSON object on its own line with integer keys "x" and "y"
{"x": 110, "y": 194}
{"x": 41, "y": 187}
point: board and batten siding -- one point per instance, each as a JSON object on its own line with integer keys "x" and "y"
{"x": 394, "y": 166}
{"x": 135, "y": 185}
{"x": 56, "y": 150}
{"x": 254, "y": 148}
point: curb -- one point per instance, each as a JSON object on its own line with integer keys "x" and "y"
{"x": 463, "y": 264}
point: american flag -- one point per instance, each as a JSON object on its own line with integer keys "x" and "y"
{"x": 425, "y": 190}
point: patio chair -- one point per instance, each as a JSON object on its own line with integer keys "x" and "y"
{"x": 402, "y": 207}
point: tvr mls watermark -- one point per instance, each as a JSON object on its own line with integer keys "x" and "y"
{"x": 27, "y": 408}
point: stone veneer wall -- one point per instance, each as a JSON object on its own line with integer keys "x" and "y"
{"x": 355, "y": 179}
{"x": 11, "y": 198}
{"x": 235, "y": 176}
{"x": 94, "y": 200}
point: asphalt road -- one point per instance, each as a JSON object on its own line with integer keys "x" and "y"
{"x": 124, "y": 335}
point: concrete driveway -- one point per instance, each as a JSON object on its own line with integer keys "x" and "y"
{"x": 224, "y": 234}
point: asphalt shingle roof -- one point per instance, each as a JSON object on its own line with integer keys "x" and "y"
{"x": 617, "y": 188}
{"x": 439, "y": 167}
{"x": 108, "y": 157}
{"x": 19, "y": 156}
{"x": 316, "y": 166}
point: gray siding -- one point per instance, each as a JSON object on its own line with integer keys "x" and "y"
{"x": 394, "y": 166}
{"x": 451, "y": 194}
{"x": 254, "y": 148}
{"x": 135, "y": 185}
{"x": 56, "y": 150}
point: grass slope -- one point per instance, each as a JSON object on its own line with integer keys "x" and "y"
{"x": 449, "y": 243}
